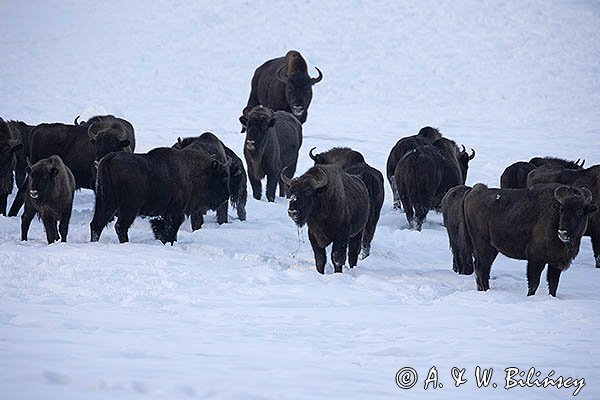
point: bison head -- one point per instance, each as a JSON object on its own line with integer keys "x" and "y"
{"x": 298, "y": 88}
{"x": 257, "y": 121}
{"x": 304, "y": 192}
{"x": 219, "y": 177}
{"x": 42, "y": 176}
{"x": 463, "y": 161}
{"x": 575, "y": 206}
{"x": 108, "y": 137}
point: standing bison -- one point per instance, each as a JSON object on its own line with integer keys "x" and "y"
{"x": 50, "y": 191}
{"x": 165, "y": 184}
{"x": 454, "y": 221}
{"x": 273, "y": 139}
{"x": 211, "y": 145}
{"x": 335, "y": 206}
{"x": 515, "y": 175}
{"x": 426, "y": 173}
{"x": 427, "y": 135}
{"x": 542, "y": 224}
{"x": 354, "y": 163}
{"x": 10, "y": 143}
{"x": 589, "y": 178}
{"x": 284, "y": 84}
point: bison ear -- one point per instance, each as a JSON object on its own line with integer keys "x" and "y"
{"x": 54, "y": 171}
{"x": 243, "y": 120}
{"x": 271, "y": 123}
{"x": 124, "y": 143}
{"x": 590, "y": 209}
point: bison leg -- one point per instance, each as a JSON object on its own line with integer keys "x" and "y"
{"x": 408, "y": 209}
{"x": 241, "y": 210}
{"x": 19, "y": 199}
{"x": 222, "y": 213}
{"x": 197, "y": 219}
{"x": 26, "y": 219}
{"x": 421, "y": 214}
{"x": 171, "y": 227}
{"x": 3, "y": 201}
{"x": 354, "y": 249}
{"x": 320, "y": 255}
{"x": 553, "y": 276}
{"x": 338, "y": 252}
{"x": 534, "y": 272}
{"x": 484, "y": 259}
{"x": 595, "y": 235}
{"x": 63, "y": 226}
{"x": 256, "y": 187}
{"x": 272, "y": 181}
{"x": 397, "y": 203}
{"x": 51, "y": 229}
{"x": 123, "y": 223}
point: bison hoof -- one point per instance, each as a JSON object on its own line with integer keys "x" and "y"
{"x": 321, "y": 270}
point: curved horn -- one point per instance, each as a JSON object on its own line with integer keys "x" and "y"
{"x": 312, "y": 156}
{"x": 284, "y": 178}
{"x": 582, "y": 162}
{"x": 587, "y": 194}
{"x": 463, "y": 149}
{"x": 281, "y": 74}
{"x": 561, "y": 192}
{"x": 92, "y": 130}
{"x": 122, "y": 132}
{"x": 472, "y": 155}
{"x": 76, "y": 121}
{"x": 319, "y": 183}
{"x": 318, "y": 78}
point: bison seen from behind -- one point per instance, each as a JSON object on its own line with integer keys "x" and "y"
{"x": 515, "y": 175}
{"x": 273, "y": 139}
{"x": 50, "y": 191}
{"x": 353, "y": 162}
{"x": 454, "y": 221}
{"x": 335, "y": 206}
{"x": 542, "y": 225}
{"x": 10, "y": 144}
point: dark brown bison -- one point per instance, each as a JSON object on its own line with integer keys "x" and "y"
{"x": 211, "y": 145}
{"x": 454, "y": 221}
{"x": 50, "y": 191}
{"x": 22, "y": 153}
{"x": 515, "y": 175}
{"x": 353, "y": 162}
{"x": 426, "y": 135}
{"x": 284, "y": 84}
{"x": 542, "y": 224}
{"x": 425, "y": 174}
{"x": 273, "y": 139}
{"x": 589, "y": 178}
{"x": 10, "y": 144}
{"x": 166, "y": 184}
{"x": 335, "y": 206}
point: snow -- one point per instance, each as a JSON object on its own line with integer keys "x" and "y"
{"x": 238, "y": 311}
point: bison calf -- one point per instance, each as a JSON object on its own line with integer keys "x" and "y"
{"x": 273, "y": 140}
{"x": 335, "y": 206}
{"x": 542, "y": 225}
{"x": 50, "y": 191}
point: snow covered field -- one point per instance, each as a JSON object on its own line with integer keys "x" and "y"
{"x": 238, "y": 311}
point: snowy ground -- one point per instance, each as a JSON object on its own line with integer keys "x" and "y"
{"x": 238, "y": 311}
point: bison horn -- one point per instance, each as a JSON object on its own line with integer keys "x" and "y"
{"x": 578, "y": 162}
{"x": 318, "y": 78}
{"x": 587, "y": 194}
{"x": 472, "y": 156}
{"x": 92, "y": 131}
{"x": 561, "y": 192}
{"x": 281, "y": 75}
{"x": 76, "y": 121}
{"x": 284, "y": 178}
{"x": 312, "y": 156}
{"x": 319, "y": 183}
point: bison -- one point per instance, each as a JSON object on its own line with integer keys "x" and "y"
{"x": 79, "y": 146}
{"x": 166, "y": 184}
{"x": 354, "y": 163}
{"x": 426, "y": 135}
{"x": 50, "y": 191}
{"x": 211, "y": 145}
{"x": 515, "y": 175}
{"x": 10, "y": 144}
{"x": 284, "y": 84}
{"x": 589, "y": 178}
{"x": 542, "y": 224}
{"x": 335, "y": 206}
{"x": 273, "y": 139}
{"x": 425, "y": 174}
{"x": 454, "y": 221}
{"x": 22, "y": 154}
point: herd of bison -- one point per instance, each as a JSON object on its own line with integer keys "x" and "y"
{"x": 539, "y": 214}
